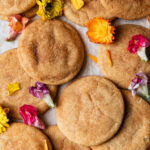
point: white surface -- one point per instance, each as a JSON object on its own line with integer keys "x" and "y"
{"x": 90, "y": 68}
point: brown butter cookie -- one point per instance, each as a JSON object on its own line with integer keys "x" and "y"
{"x": 90, "y": 110}
{"x": 51, "y": 51}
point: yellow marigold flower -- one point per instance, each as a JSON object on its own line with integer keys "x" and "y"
{"x": 100, "y": 31}
{"x": 49, "y": 9}
{"x": 3, "y": 120}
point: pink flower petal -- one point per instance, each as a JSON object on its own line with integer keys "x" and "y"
{"x": 29, "y": 116}
{"x": 136, "y": 42}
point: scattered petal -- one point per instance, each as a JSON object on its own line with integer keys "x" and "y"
{"x": 100, "y": 31}
{"x": 45, "y": 145}
{"x": 139, "y": 85}
{"x": 148, "y": 18}
{"x": 109, "y": 57}
{"x": 93, "y": 58}
{"x": 13, "y": 87}
{"x": 138, "y": 44}
{"x": 40, "y": 91}
{"x": 142, "y": 54}
{"x": 77, "y": 4}
{"x": 49, "y": 9}
{"x": 16, "y": 23}
{"x": 48, "y": 100}
{"x": 29, "y": 116}
{"x": 3, "y": 120}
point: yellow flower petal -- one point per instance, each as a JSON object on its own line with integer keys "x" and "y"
{"x": 45, "y": 145}
{"x": 100, "y": 31}
{"x": 93, "y": 58}
{"x": 77, "y": 4}
{"x": 12, "y": 87}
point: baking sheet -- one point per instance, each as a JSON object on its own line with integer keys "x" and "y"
{"x": 89, "y": 68}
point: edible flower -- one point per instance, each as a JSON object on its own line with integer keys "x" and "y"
{"x": 77, "y": 4}
{"x": 13, "y": 87}
{"x": 16, "y": 23}
{"x": 138, "y": 44}
{"x": 45, "y": 145}
{"x": 108, "y": 57}
{"x": 139, "y": 85}
{"x": 3, "y": 119}
{"x": 49, "y": 9}
{"x": 40, "y": 91}
{"x": 29, "y": 116}
{"x": 100, "y": 31}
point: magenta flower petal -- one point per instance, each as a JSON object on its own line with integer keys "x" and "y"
{"x": 29, "y": 116}
{"x": 136, "y": 42}
{"x": 39, "y": 90}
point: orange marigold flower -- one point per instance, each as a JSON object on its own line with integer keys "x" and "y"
{"x": 100, "y": 31}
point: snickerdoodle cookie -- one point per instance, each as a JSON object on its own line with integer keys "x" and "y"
{"x": 23, "y": 137}
{"x": 135, "y": 131}
{"x": 51, "y": 51}
{"x": 12, "y": 72}
{"x": 11, "y": 7}
{"x": 60, "y": 142}
{"x": 125, "y": 64}
{"x": 90, "y": 110}
{"x": 127, "y": 9}
{"x": 90, "y": 10}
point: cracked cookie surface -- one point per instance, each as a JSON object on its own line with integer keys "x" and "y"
{"x": 90, "y": 110}
{"x": 51, "y": 51}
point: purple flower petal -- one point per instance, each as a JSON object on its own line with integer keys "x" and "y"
{"x": 140, "y": 80}
{"x": 39, "y": 90}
